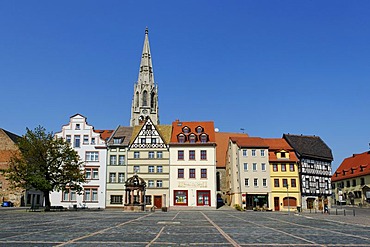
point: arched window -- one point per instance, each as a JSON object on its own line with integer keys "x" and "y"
{"x": 152, "y": 100}
{"x": 145, "y": 98}
{"x": 192, "y": 138}
{"x": 199, "y": 129}
{"x": 186, "y": 130}
{"x": 292, "y": 201}
{"x": 203, "y": 138}
{"x": 137, "y": 99}
{"x": 181, "y": 138}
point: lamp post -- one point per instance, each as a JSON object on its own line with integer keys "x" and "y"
{"x": 287, "y": 192}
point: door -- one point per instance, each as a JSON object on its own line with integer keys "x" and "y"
{"x": 276, "y": 204}
{"x": 203, "y": 198}
{"x": 158, "y": 201}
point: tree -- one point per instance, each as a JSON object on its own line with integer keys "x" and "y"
{"x": 45, "y": 163}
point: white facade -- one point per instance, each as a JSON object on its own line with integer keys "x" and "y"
{"x": 193, "y": 166}
{"x": 92, "y": 151}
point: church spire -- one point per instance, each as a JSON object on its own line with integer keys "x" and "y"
{"x": 145, "y": 100}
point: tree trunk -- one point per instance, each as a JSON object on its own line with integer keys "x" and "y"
{"x": 47, "y": 200}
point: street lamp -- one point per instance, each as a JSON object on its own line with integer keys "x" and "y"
{"x": 287, "y": 192}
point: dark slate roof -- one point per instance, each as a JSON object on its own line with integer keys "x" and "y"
{"x": 309, "y": 146}
{"x": 12, "y": 136}
{"x": 121, "y": 132}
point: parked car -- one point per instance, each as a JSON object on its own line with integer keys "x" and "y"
{"x": 7, "y": 204}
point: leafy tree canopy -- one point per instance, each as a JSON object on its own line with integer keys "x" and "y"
{"x": 45, "y": 163}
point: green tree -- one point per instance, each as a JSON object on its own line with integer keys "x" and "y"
{"x": 45, "y": 163}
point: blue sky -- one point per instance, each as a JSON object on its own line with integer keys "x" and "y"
{"x": 269, "y": 67}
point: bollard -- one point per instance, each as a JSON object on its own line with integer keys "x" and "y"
{"x": 354, "y": 213}
{"x": 344, "y": 212}
{"x": 336, "y": 211}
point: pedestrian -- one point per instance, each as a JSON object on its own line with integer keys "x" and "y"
{"x": 326, "y": 207}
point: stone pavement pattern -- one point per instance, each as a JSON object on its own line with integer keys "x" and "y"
{"x": 179, "y": 228}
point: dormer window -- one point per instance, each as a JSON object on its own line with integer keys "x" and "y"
{"x": 186, "y": 130}
{"x": 117, "y": 140}
{"x": 203, "y": 138}
{"x": 199, "y": 129}
{"x": 192, "y": 138}
{"x": 181, "y": 138}
{"x": 283, "y": 155}
{"x": 78, "y": 126}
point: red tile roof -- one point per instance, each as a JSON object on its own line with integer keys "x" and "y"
{"x": 355, "y": 166}
{"x": 249, "y": 142}
{"x": 278, "y": 144}
{"x": 104, "y": 134}
{"x": 208, "y": 128}
{"x": 222, "y": 141}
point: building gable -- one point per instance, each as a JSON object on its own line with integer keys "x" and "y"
{"x": 148, "y": 136}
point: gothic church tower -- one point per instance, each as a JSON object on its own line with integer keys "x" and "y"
{"x": 145, "y": 100}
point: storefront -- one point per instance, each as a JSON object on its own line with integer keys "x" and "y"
{"x": 251, "y": 201}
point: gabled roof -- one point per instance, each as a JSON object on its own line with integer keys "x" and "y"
{"x": 104, "y": 134}
{"x": 11, "y": 135}
{"x": 163, "y": 130}
{"x": 123, "y": 133}
{"x": 309, "y": 146}
{"x": 222, "y": 142}
{"x": 208, "y": 128}
{"x": 277, "y": 145}
{"x": 354, "y": 166}
{"x": 249, "y": 142}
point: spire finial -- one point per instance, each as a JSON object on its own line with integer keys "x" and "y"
{"x": 146, "y": 30}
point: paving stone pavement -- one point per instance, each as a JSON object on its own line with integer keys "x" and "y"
{"x": 180, "y": 228}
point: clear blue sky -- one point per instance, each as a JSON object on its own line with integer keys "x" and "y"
{"x": 270, "y": 67}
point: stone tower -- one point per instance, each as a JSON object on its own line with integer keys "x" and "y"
{"x": 145, "y": 100}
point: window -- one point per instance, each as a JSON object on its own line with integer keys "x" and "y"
{"x": 192, "y": 138}
{"x": 254, "y": 167}
{"x": 353, "y": 182}
{"x": 255, "y": 182}
{"x": 293, "y": 182}
{"x": 121, "y": 160}
{"x": 276, "y": 182}
{"x": 151, "y": 155}
{"x": 246, "y": 182}
{"x": 262, "y": 152}
{"x": 275, "y": 167}
{"x": 113, "y": 160}
{"x": 245, "y": 166}
{"x": 180, "y": 197}
{"x": 291, "y": 167}
{"x": 142, "y": 140}
{"x": 148, "y": 200}
{"x": 112, "y": 177}
{"x": 77, "y": 142}
{"x": 121, "y": 177}
{"x": 203, "y": 173}
{"x": 91, "y": 195}
{"x": 148, "y": 127}
{"x": 199, "y": 129}
{"x": 362, "y": 181}
{"x": 136, "y": 169}
{"x": 191, "y": 154}
{"x": 263, "y": 166}
{"x": 68, "y": 138}
{"x": 203, "y": 154}
{"x": 348, "y": 183}
{"x": 191, "y": 173}
{"x": 116, "y": 199}
{"x": 159, "y": 184}
{"x": 92, "y": 156}
{"x": 153, "y": 141}
{"x": 180, "y": 154}
{"x": 69, "y": 195}
{"x": 253, "y": 152}
{"x": 264, "y": 182}
{"x": 86, "y": 139}
{"x": 285, "y": 182}
{"x": 78, "y": 127}
{"x": 186, "y": 130}
{"x": 159, "y": 154}
{"x": 245, "y": 153}
{"x": 151, "y": 169}
{"x": 93, "y": 140}
{"x": 203, "y": 138}
{"x": 282, "y": 155}
{"x": 159, "y": 169}
{"x": 181, "y": 138}
{"x": 180, "y": 173}
{"x": 283, "y": 167}
{"x": 136, "y": 154}
{"x": 150, "y": 183}
{"x": 117, "y": 140}
{"x": 91, "y": 173}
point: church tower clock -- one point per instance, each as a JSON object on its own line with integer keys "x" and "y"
{"x": 145, "y": 100}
